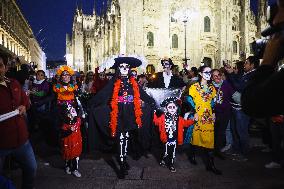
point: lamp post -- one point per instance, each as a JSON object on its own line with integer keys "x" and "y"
{"x": 184, "y": 15}
{"x": 185, "y": 57}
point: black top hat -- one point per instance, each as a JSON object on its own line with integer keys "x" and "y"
{"x": 170, "y": 100}
{"x": 167, "y": 60}
{"x": 133, "y": 62}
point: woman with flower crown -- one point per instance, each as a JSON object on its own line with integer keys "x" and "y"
{"x": 70, "y": 122}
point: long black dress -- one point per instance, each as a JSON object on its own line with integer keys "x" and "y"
{"x": 99, "y": 118}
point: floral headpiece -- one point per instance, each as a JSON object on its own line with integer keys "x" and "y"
{"x": 65, "y": 68}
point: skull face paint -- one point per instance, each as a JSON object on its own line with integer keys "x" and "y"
{"x": 166, "y": 64}
{"x": 65, "y": 77}
{"x": 124, "y": 69}
{"x": 172, "y": 108}
{"x": 206, "y": 74}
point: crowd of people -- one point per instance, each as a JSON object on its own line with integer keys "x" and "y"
{"x": 113, "y": 112}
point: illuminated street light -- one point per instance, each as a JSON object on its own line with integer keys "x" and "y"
{"x": 184, "y": 16}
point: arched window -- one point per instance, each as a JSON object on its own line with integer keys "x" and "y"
{"x": 150, "y": 69}
{"x": 175, "y": 41}
{"x": 235, "y": 47}
{"x": 150, "y": 38}
{"x": 235, "y": 24}
{"x": 206, "y": 24}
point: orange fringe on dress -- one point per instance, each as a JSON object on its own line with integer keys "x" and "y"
{"x": 114, "y": 105}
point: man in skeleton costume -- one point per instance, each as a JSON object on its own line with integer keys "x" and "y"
{"x": 171, "y": 127}
{"x": 166, "y": 79}
{"x": 118, "y": 110}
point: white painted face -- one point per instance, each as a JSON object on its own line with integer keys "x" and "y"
{"x": 124, "y": 69}
{"x": 172, "y": 108}
{"x": 206, "y": 74}
{"x": 167, "y": 65}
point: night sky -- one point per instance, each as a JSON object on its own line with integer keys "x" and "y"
{"x": 54, "y": 18}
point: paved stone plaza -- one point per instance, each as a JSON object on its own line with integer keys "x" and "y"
{"x": 146, "y": 173}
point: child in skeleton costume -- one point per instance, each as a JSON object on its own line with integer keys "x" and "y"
{"x": 171, "y": 127}
{"x": 71, "y": 140}
{"x": 70, "y": 122}
{"x": 118, "y": 107}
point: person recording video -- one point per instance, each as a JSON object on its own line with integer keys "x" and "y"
{"x": 264, "y": 94}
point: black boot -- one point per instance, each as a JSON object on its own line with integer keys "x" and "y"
{"x": 163, "y": 162}
{"x": 192, "y": 160}
{"x": 123, "y": 170}
{"x": 126, "y": 165}
{"x": 211, "y": 167}
{"x": 219, "y": 155}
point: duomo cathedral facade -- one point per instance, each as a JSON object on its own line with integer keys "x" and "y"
{"x": 211, "y": 31}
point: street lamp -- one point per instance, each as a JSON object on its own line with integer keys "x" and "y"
{"x": 184, "y": 16}
{"x": 185, "y": 57}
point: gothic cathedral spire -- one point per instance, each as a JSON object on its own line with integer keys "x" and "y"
{"x": 261, "y": 8}
{"x": 94, "y": 9}
{"x": 261, "y": 16}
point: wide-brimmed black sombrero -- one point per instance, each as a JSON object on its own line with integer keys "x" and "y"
{"x": 170, "y": 100}
{"x": 133, "y": 62}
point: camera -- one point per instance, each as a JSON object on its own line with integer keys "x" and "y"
{"x": 258, "y": 46}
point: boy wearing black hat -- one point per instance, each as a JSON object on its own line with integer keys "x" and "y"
{"x": 171, "y": 127}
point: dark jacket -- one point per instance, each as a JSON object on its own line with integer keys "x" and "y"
{"x": 13, "y": 131}
{"x": 264, "y": 94}
{"x": 175, "y": 82}
{"x": 239, "y": 82}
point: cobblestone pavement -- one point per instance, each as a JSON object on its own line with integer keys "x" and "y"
{"x": 146, "y": 173}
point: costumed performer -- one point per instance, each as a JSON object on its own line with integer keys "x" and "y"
{"x": 171, "y": 128}
{"x": 119, "y": 109}
{"x": 202, "y": 97}
{"x": 70, "y": 122}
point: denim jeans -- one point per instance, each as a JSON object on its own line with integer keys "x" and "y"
{"x": 229, "y": 136}
{"x": 239, "y": 126}
{"x": 24, "y": 155}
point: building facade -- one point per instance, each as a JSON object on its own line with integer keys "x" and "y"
{"x": 220, "y": 30}
{"x": 16, "y": 36}
{"x": 38, "y": 57}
